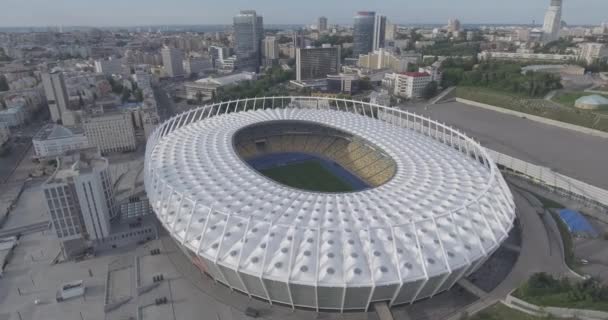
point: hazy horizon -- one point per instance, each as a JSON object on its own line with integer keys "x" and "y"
{"x": 42, "y": 13}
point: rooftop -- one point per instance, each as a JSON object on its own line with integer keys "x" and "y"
{"x": 55, "y": 131}
{"x": 416, "y": 74}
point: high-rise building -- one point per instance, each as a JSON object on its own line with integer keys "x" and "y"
{"x": 391, "y": 31}
{"x": 317, "y": 63}
{"x": 379, "y": 32}
{"x": 322, "y": 26}
{"x": 80, "y": 200}
{"x": 248, "y": 34}
{"x": 553, "y": 21}
{"x": 453, "y": 25}
{"x": 270, "y": 50}
{"x": 363, "y": 33}
{"x": 56, "y": 93}
{"x": 173, "y": 59}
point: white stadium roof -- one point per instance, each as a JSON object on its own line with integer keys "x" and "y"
{"x": 442, "y": 211}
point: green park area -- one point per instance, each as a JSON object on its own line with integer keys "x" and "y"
{"x": 501, "y": 312}
{"x": 308, "y": 175}
{"x": 544, "y": 290}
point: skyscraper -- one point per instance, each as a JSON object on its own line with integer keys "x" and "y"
{"x": 363, "y": 33}
{"x": 248, "y": 34}
{"x": 322, "y": 24}
{"x": 56, "y": 94}
{"x": 553, "y": 21}
{"x": 270, "y": 50}
{"x": 379, "y": 32}
{"x": 317, "y": 63}
{"x": 173, "y": 60}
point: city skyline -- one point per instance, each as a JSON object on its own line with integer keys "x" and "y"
{"x": 37, "y": 13}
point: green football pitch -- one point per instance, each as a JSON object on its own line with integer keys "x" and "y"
{"x": 308, "y": 175}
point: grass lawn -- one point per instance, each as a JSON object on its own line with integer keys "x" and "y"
{"x": 308, "y": 175}
{"x": 568, "y": 99}
{"x": 501, "y": 312}
{"x": 537, "y": 107}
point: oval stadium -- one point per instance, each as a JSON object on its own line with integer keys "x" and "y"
{"x": 326, "y": 203}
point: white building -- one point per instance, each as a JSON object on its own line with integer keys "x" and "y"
{"x": 208, "y": 86}
{"x": 383, "y": 59}
{"x": 553, "y": 21}
{"x": 13, "y": 117}
{"x": 53, "y": 141}
{"x": 434, "y": 71}
{"x": 80, "y": 200}
{"x": 522, "y": 56}
{"x": 173, "y": 61}
{"x": 109, "y": 67}
{"x": 593, "y": 52}
{"x": 111, "y": 132}
{"x": 411, "y": 84}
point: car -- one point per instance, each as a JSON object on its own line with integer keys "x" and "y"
{"x": 584, "y": 262}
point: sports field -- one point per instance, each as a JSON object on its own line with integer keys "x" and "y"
{"x": 308, "y": 175}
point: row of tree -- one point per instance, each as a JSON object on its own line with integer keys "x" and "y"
{"x": 542, "y": 284}
{"x": 270, "y": 84}
{"x": 501, "y": 76}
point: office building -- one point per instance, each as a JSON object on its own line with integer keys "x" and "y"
{"x": 80, "y": 200}
{"x": 379, "y": 32}
{"x": 317, "y": 63}
{"x": 270, "y": 50}
{"x": 411, "y": 84}
{"x": 109, "y": 67}
{"x": 56, "y": 93}
{"x": 363, "y": 33}
{"x": 594, "y": 52}
{"x": 322, "y": 26}
{"x": 110, "y": 132}
{"x": 391, "y": 32}
{"x": 553, "y": 21}
{"x": 53, "y": 141}
{"x": 173, "y": 61}
{"x": 383, "y": 59}
{"x": 248, "y": 34}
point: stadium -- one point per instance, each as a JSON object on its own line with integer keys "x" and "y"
{"x": 325, "y": 203}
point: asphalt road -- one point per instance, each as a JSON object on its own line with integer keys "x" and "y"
{"x": 573, "y": 154}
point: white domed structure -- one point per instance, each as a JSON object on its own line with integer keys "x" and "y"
{"x": 592, "y": 102}
{"x": 434, "y": 208}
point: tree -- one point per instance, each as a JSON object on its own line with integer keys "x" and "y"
{"x": 365, "y": 84}
{"x": 430, "y": 90}
{"x": 139, "y": 95}
{"x": 126, "y": 94}
{"x": 3, "y": 83}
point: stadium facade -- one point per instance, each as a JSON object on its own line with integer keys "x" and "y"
{"x": 436, "y": 208}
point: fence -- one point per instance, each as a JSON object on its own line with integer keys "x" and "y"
{"x": 572, "y": 188}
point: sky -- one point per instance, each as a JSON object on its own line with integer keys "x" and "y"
{"x": 164, "y": 12}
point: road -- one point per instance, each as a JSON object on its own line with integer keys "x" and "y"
{"x": 539, "y": 253}
{"x": 571, "y": 153}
